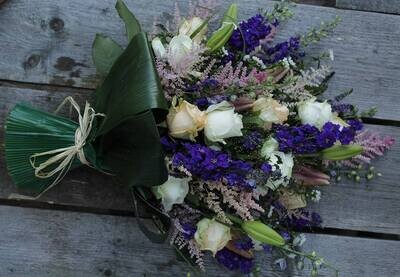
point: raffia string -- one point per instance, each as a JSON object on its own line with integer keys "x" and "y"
{"x": 64, "y": 157}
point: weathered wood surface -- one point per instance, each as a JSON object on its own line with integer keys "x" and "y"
{"x": 37, "y": 242}
{"x": 385, "y": 6}
{"x": 50, "y": 42}
{"x": 346, "y": 205}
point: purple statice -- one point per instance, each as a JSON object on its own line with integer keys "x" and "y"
{"x": 297, "y": 139}
{"x": 328, "y": 135}
{"x": 202, "y": 103}
{"x": 355, "y": 124}
{"x": 209, "y": 83}
{"x": 229, "y": 57}
{"x": 252, "y": 140}
{"x": 212, "y": 165}
{"x": 188, "y": 230}
{"x": 234, "y": 262}
{"x": 346, "y": 135}
{"x": 305, "y": 139}
{"x": 342, "y": 108}
{"x": 266, "y": 168}
{"x": 244, "y": 243}
{"x": 168, "y": 144}
{"x": 298, "y": 221}
{"x": 249, "y": 33}
{"x": 286, "y": 236}
{"x": 281, "y": 50}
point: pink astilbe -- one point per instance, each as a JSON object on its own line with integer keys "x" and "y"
{"x": 374, "y": 145}
{"x": 241, "y": 201}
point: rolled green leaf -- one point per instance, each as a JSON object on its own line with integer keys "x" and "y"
{"x": 105, "y": 52}
{"x": 263, "y": 233}
{"x": 220, "y": 37}
{"x": 341, "y": 152}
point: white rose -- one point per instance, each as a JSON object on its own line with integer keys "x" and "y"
{"x": 212, "y": 235}
{"x": 158, "y": 48}
{"x": 179, "y": 48}
{"x": 269, "y": 147}
{"x": 185, "y": 120}
{"x": 283, "y": 162}
{"x": 314, "y": 113}
{"x": 173, "y": 191}
{"x": 188, "y": 27}
{"x": 222, "y": 122}
{"x": 270, "y": 111}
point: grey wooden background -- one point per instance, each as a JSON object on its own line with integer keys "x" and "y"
{"x": 84, "y": 227}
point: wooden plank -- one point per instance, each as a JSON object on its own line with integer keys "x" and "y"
{"x": 385, "y": 6}
{"x": 50, "y": 42}
{"x": 61, "y": 243}
{"x": 347, "y": 205}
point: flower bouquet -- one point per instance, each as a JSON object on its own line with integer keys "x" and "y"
{"x": 224, "y": 136}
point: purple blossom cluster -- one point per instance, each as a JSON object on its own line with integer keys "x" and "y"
{"x": 209, "y": 164}
{"x": 305, "y": 139}
{"x": 281, "y": 50}
{"x": 233, "y": 261}
{"x": 252, "y": 140}
{"x": 301, "y": 220}
{"x": 249, "y": 33}
{"x": 244, "y": 243}
{"x": 189, "y": 230}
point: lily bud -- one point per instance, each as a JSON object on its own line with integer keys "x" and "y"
{"x": 310, "y": 176}
{"x": 222, "y": 35}
{"x": 341, "y": 152}
{"x": 263, "y": 233}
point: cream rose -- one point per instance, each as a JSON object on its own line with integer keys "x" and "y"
{"x": 188, "y": 27}
{"x": 314, "y": 113}
{"x": 270, "y": 111}
{"x": 173, "y": 191}
{"x": 158, "y": 48}
{"x": 185, "y": 120}
{"x": 222, "y": 122}
{"x": 212, "y": 235}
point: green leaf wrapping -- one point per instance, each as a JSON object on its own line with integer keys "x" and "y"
{"x": 30, "y": 131}
{"x": 132, "y": 99}
{"x": 126, "y": 142}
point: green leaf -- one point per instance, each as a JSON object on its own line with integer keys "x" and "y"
{"x": 105, "y": 52}
{"x": 132, "y": 98}
{"x": 132, "y": 25}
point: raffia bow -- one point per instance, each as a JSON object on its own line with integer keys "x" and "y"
{"x": 64, "y": 157}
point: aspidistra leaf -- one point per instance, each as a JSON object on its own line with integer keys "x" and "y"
{"x": 105, "y": 52}
{"x": 132, "y": 25}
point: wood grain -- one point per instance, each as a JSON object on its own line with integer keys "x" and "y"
{"x": 370, "y": 207}
{"x": 61, "y": 243}
{"x": 385, "y": 6}
{"x": 50, "y": 42}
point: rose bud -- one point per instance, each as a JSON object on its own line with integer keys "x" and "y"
{"x": 270, "y": 111}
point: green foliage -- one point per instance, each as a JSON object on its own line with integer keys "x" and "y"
{"x": 280, "y": 12}
{"x": 132, "y": 25}
{"x": 316, "y": 34}
{"x": 105, "y": 52}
